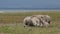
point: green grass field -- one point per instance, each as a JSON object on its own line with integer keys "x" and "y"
{"x": 12, "y": 23}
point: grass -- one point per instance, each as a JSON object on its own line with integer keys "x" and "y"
{"x": 16, "y": 20}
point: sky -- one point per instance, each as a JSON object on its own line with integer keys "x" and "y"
{"x": 29, "y": 3}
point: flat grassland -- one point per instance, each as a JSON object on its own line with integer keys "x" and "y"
{"x": 12, "y": 23}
